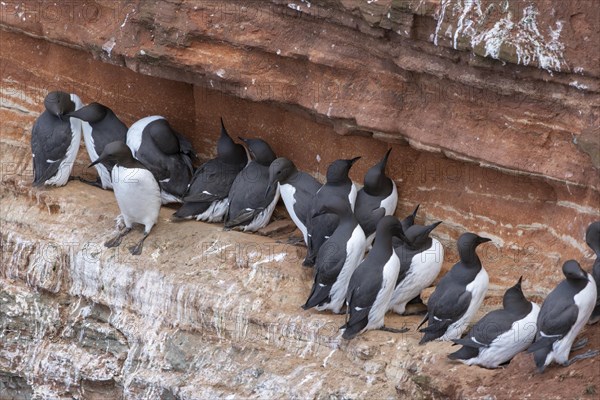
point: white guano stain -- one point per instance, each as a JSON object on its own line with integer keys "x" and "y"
{"x": 509, "y": 31}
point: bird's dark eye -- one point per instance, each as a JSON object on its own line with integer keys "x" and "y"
{"x": 278, "y": 172}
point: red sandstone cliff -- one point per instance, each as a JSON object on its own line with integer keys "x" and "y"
{"x": 492, "y": 108}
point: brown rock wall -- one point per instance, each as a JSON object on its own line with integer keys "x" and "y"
{"x": 483, "y": 144}
{"x": 537, "y": 224}
{"x": 385, "y": 69}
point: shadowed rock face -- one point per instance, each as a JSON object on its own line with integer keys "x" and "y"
{"x": 489, "y": 135}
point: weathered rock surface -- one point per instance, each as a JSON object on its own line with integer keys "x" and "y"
{"x": 527, "y": 84}
{"x": 201, "y": 314}
{"x": 536, "y": 224}
{"x": 492, "y": 112}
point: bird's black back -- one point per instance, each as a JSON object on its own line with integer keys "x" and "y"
{"x": 368, "y": 210}
{"x": 161, "y": 153}
{"x": 367, "y": 280}
{"x": 50, "y": 139}
{"x": 248, "y": 192}
{"x": 559, "y": 311}
{"x": 450, "y": 299}
{"x": 324, "y": 225}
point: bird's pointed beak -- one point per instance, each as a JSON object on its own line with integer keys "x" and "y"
{"x": 433, "y": 226}
{"x": 353, "y": 160}
{"x": 79, "y": 114}
{"x": 385, "y": 158}
{"x": 101, "y": 158}
{"x": 223, "y": 130}
{"x": 483, "y": 239}
{"x": 414, "y": 213}
{"x": 518, "y": 285}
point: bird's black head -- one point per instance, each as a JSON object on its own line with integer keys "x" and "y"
{"x": 417, "y": 235}
{"x": 59, "y": 103}
{"x": 376, "y": 182}
{"x": 93, "y": 112}
{"x": 335, "y": 205}
{"x": 260, "y": 150}
{"x": 117, "y": 152}
{"x": 592, "y": 237}
{"x": 514, "y": 299}
{"x": 573, "y": 271}
{"x": 467, "y": 243}
{"x": 228, "y": 150}
{"x": 389, "y": 226}
{"x": 280, "y": 170}
{"x": 338, "y": 170}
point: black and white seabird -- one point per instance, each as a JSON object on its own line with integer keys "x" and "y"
{"x": 251, "y": 200}
{"x": 55, "y": 140}
{"x": 564, "y": 313}
{"x": 207, "y": 198}
{"x": 136, "y": 190}
{"x": 421, "y": 259}
{"x": 592, "y": 238}
{"x": 166, "y": 153}
{"x": 337, "y": 259}
{"x": 100, "y": 127}
{"x": 377, "y": 198}
{"x": 501, "y": 334}
{"x": 297, "y": 190}
{"x": 372, "y": 284}
{"x": 458, "y": 295}
{"x": 321, "y": 227}
{"x": 416, "y": 305}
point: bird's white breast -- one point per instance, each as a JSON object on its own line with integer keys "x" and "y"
{"x": 137, "y": 194}
{"x": 508, "y": 344}
{"x": 352, "y": 195}
{"x": 287, "y": 194}
{"x": 380, "y": 306}
{"x": 390, "y": 202}
{"x": 423, "y": 270}
{"x": 585, "y": 301}
{"x": 355, "y": 249}
{"x": 91, "y": 149}
{"x": 89, "y": 140}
